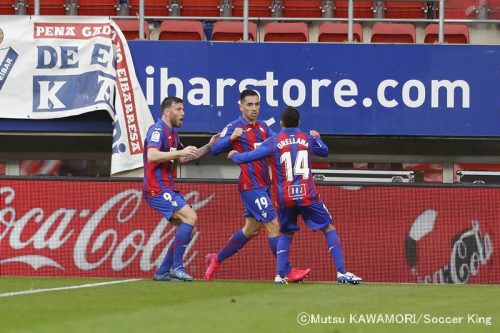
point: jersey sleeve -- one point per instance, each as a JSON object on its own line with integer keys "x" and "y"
{"x": 318, "y": 147}
{"x": 224, "y": 142}
{"x": 155, "y": 138}
{"x": 262, "y": 150}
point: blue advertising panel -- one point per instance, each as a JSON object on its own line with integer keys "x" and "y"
{"x": 340, "y": 89}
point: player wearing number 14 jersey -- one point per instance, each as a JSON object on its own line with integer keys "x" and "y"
{"x": 244, "y": 134}
{"x": 289, "y": 154}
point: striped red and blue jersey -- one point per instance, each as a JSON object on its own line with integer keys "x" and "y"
{"x": 158, "y": 177}
{"x": 289, "y": 154}
{"x": 252, "y": 175}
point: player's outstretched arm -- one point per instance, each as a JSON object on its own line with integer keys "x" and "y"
{"x": 201, "y": 151}
{"x": 262, "y": 151}
{"x": 157, "y": 156}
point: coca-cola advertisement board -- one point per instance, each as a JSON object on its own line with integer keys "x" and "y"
{"x": 388, "y": 233}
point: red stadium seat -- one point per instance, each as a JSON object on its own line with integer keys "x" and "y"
{"x": 409, "y": 9}
{"x": 393, "y": 33}
{"x": 200, "y": 7}
{"x": 453, "y": 33}
{"x": 97, "y": 8}
{"x": 302, "y": 8}
{"x": 130, "y": 28}
{"x": 51, "y": 7}
{"x": 181, "y": 30}
{"x": 362, "y": 9}
{"x": 494, "y": 9}
{"x": 460, "y": 9}
{"x": 151, "y": 7}
{"x": 337, "y": 32}
{"x": 286, "y": 32}
{"x": 232, "y": 31}
{"x": 256, "y": 8}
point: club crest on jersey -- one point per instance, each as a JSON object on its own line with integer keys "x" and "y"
{"x": 155, "y": 136}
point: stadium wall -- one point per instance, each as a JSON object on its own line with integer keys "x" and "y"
{"x": 389, "y": 233}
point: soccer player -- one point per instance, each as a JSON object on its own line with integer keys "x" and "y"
{"x": 162, "y": 147}
{"x": 243, "y": 135}
{"x": 289, "y": 153}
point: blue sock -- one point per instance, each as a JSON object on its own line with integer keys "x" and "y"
{"x": 282, "y": 255}
{"x": 167, "y": 261}
{"x": 273, "y": 245}
{"x": 233, "y": 245}
{"x": 181, "y": 240}
{"x": 335, "y": 249}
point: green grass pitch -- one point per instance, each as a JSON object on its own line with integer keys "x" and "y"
{"x": 243, "y": 306}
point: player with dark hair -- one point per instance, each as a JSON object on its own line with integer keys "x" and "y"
{"x": 289, "y": 153}
{"x": 162, "y": 147}
{"x": 243, "y": 135}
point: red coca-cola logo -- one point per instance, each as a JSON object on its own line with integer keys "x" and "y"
{"x": 110, "y": 235}
{"x": 469, "y": 250}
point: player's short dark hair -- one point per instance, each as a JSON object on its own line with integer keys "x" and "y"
{"x": 168, "y": 101}
{"x": 290, "y": 117}
{"x": 247, "y": 92}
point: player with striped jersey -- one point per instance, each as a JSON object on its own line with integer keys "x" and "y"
{"x": 289, "y": 153}
{"x": 244, "y": 135}
{"x": 162, "y": 148}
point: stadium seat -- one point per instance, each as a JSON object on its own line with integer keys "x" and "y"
{"x": 151, "y": 7}
{"x": 404, "y": 9}
{"x": 200, "y": 7}
{"x": 130, "y": 28}
{"x": 286, "y": 32}
{"x": 96, "y": 8}
{"x": 494, "y": 9}
{"x": 302, "y": 8}
{"x": 256, "y": 8}
{"x": 393, "y": 33}
{"x": 51, "y": 7}
{"x": 337, "y": 32}
{"x": 181, "y": 30}
{"x": 232, "y": 31}
{"x": 460, "y": 9}
{"x": 453, "y": 33}
{"x": 362, "y": 9}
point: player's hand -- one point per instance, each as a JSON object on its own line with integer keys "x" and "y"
{"x": 238, "y": 131}
{"x": 314, "y": 134}
{"x": 189, "y": 151}
{"x": 213, "y": 139}
{"x": 231, "y": 153}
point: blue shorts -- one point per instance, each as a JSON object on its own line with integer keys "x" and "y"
{"x": 258, "y": 205}
{"x": 167, "y": 203}
{"x": 316, "y": 217}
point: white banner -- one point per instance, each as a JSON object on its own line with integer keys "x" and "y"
{"x": 54, "y": 67}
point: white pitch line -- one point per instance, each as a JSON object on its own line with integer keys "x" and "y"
{"x": 89, "y": 285}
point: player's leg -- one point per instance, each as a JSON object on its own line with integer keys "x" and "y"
{"x": 164, "y": 204}
{"x": 238, "y": 240}
{"x": 317, "y": 217}
{"x": 169, "y": 257}
{"x": 288, "y": 225}
{"x": 185, "y": 217}
{"x": 235, "y": 243}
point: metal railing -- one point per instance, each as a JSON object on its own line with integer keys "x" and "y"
{"x": 350, "y": 19}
